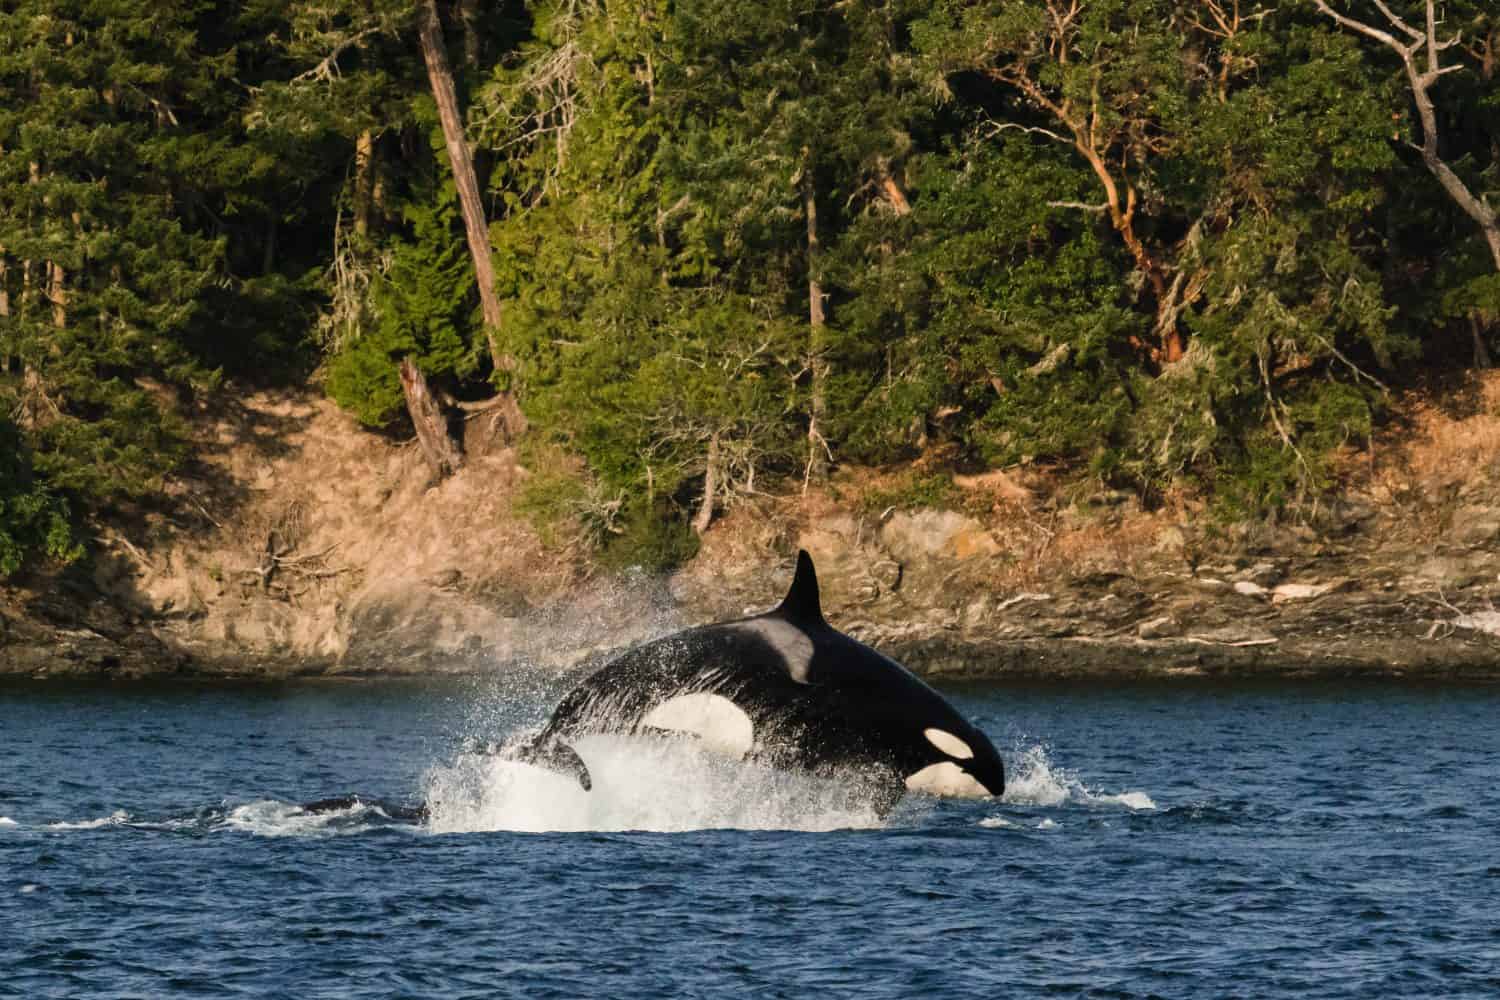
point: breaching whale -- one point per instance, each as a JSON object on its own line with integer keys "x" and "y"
{"x": 783, "y": 688}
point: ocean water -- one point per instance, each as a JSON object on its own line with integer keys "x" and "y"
{"x": 1187, "y": 840}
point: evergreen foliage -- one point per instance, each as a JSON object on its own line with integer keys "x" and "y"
{"x": 1159, "y": 243}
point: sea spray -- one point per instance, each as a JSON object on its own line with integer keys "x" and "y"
{"x": 639, "y": 784}
{"x": 1034, "y": 780}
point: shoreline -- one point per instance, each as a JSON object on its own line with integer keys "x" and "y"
{"x": 941, "y": 660}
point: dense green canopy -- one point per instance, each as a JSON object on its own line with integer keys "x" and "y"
{"x": 1186, "y": 243}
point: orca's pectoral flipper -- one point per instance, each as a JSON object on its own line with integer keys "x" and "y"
{"x": 555, "y": 756}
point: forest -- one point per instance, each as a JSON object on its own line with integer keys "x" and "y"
{"x": 682, "y": 252}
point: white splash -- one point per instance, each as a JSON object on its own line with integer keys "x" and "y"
{"x": 7, "y": 821}
{"x": 1034, "y": 781}
{"x": 995, "y": 822}
{"x": 117, "y": 818}
{"x": 270, "y": 818}
{"x": 1047, "y": 824}
{"x": 638, "y": 784}
{"x": 30, "y": 887}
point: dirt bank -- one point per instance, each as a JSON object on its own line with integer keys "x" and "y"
{"x": 301, "y": 544}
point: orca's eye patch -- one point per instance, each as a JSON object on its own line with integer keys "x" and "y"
{"x": 949, "y": 744}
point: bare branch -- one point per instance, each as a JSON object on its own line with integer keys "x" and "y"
{"x": 997, "y": 127}
{"x": 1383, "y": 37}
{"x": 1405, "y": 28}
{"x": 327, "y": 68}
{"x": 1099, "y": 209}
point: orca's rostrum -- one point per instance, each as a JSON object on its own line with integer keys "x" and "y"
{"x": 786, "y": 689}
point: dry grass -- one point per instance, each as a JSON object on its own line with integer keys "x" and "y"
{"x": 1445, "y": 439}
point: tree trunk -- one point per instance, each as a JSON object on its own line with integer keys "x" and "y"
{"x": 710, "y": 487}
{"x": 893, "y": 193}
{"x": 1475, "y": 208}
{"x": 364, "y": 172}
{"x": 440, "y": 76}
{"x": 430, "y": 33}
{"x": 468, "y": 16}
{"x": 437, "y": 446}
{"x": 817, "y": 464}
{"x": 1481, "y": 352}
{"x": 57, "y": 295}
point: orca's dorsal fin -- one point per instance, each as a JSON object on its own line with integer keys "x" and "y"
{"x": 801, "y": 605}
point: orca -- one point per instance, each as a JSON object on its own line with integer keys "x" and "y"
{"x": 782, "y": 688}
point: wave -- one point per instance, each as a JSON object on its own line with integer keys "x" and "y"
{"x": 273, "y": 818}
{"x": 117, "y": 818}
{"x": 639, "y": 785}
{"x": 264, "y": 818}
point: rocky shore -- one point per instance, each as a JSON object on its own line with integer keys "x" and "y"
{"x": 305, "y": 547}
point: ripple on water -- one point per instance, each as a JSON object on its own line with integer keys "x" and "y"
{"x": 1210, "y": 869}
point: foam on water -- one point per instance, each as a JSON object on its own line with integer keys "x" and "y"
{"x": 638, "y": 785}
{"x": 271, "y": 818}
{"x": 1033, "y": 780}
{"x": 117, "y": 818}
{"x": 7, "y": 821}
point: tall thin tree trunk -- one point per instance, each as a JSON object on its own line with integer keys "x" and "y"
{"x": 442, "y": 455}
{"x": 57, "y": 294}
{"x": 817, "y": 463}
{"x": 364, "y": 175}
{"x": 440, "y": 76}
{"x": 1481, "y": 352}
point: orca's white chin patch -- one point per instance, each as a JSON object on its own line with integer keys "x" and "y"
{"x": 719, "y": 723}
{"x": 948, "y": 780}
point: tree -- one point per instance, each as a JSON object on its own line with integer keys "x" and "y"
{"x": 461, "y": 163}
{"x": 104, "y": 119}
{"x": 361, "y": 85}
{"x": 1420, "y": 51}
{"x": 1420, "y": 55}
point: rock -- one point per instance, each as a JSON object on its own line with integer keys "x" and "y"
{"x": 1262, "y": 573}
{"x": 1170, "y": 539}
{"x": 1159, "y": 628}
{"x": 1234, "y": 635}
{"x": 1449, "y": 571}
{"x": 1474, "y": 525}
{"x": 887, "y": 573}
{"x": 1284, "y": 592}
{"x": 976, "y": 612}
{"x": 446, "y": 578}
{"x": 925, "y": 534}
{"x": 1250, "y": 589}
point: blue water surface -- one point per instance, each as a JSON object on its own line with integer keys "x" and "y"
{"x": 1186, "y": 840}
